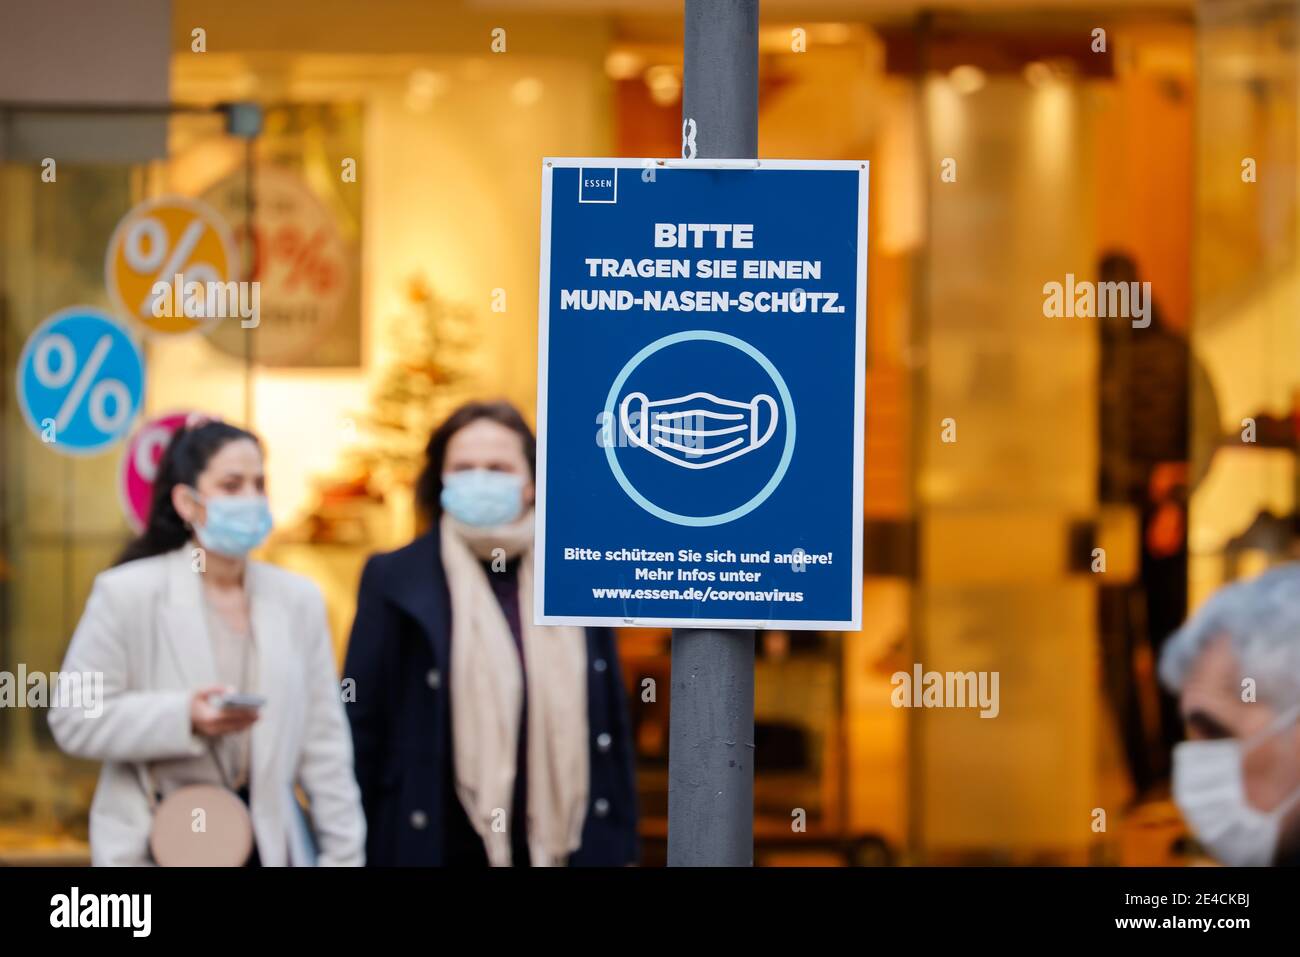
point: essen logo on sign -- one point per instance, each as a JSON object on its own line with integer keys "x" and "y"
{"x": 598, "y": 185}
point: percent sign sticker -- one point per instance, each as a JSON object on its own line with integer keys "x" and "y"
{"x": 140, "y": 466}
{"x": 80, "y": 381}
{"x": 157, "y": 241}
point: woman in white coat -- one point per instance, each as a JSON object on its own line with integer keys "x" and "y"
{"x": 185, "y": 618}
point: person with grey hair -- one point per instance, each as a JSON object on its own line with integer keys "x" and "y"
{"x": 1235, "y": 666}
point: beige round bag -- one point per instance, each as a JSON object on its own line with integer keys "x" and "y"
{"x": 201, "y": 825}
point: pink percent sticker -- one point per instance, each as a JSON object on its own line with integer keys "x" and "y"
{"x": 140, "y": 466}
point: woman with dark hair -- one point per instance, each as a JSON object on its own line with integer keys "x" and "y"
{"x": 482, "y": 738}
{"x": 219, "y": 691}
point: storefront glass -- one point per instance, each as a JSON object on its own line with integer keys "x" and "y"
{"x": 395, "y": 182}
{"x": 1247, "y": 293}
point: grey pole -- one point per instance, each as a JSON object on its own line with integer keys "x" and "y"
{"x": 711, "y": 720}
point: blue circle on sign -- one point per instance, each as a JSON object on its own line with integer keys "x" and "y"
{"x": 787, "y": 453}
{"x": 80, "y": 381}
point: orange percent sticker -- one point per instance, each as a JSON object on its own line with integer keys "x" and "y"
{"x": 154, "y": 243}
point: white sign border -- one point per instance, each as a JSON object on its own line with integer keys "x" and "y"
{"x": 549, "y": 165}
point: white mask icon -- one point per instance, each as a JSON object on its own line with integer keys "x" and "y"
{"x": 699, "y": 430}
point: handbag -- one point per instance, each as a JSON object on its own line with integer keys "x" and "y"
{"x": 200, "y": 825}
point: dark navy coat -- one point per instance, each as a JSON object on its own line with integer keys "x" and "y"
{"x": 399, "y": 657}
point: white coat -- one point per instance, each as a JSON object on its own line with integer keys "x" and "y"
{"x": 144, "y": 629}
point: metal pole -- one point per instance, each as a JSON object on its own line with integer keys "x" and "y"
{"x": 711, "y": 722}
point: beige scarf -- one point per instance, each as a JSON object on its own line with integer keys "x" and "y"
{"x": 487, "y": 693}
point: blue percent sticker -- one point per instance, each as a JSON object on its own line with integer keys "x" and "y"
{"x": 80, "y": 381}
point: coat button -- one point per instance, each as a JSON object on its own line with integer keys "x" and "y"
{"x": 600, "y": 664}
{"x": 433, "y": 678}
{"x": 601, "y": 807}
{"x": 419, "y": 820}
{"x": 603, "y": 741}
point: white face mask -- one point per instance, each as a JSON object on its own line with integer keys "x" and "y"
{"x": 699, "y": 430}
{"x": 1210, "y": 791}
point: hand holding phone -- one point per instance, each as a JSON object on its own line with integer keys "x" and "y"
{"x": 219, "y": 710}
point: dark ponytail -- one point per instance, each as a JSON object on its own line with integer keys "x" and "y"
{"x": 184, "y": 459}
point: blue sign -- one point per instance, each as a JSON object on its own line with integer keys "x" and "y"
{"x": 700, "y": 398}
{"x": 80, "y": 381}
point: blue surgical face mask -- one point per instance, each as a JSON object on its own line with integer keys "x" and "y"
{"x": 483, "y": 498}
{"x": 235, "y": 524}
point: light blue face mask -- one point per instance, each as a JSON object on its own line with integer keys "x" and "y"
{"x": 236, "y": 524}
{"x": 483, "y": 498}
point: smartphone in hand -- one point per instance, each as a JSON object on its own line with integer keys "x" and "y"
{"x": 238, "y": 700}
